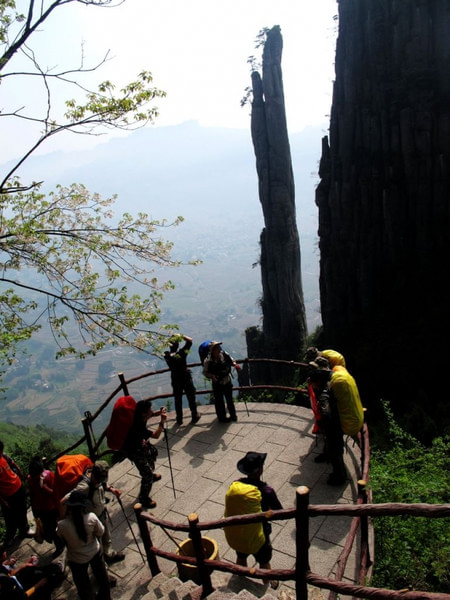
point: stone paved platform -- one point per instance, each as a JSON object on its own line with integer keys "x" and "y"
{"x": 203, "y": 459}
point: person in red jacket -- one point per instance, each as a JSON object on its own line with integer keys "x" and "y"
{"x": 12, "y": 499}
{"x": 41, "y": 486}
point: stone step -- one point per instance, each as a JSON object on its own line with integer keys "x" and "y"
{"x": 163, "y": 587}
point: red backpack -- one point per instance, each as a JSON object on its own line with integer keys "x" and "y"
{"x": 121, "y": 420}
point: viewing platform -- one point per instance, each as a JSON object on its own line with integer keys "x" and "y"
{"x": 202, "y": 462}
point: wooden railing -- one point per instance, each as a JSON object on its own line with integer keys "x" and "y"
{"x": 94, "y": 443}
{"x": 301, "y": 572}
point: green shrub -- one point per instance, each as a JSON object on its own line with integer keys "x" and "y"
{"x": 411, "y": 551}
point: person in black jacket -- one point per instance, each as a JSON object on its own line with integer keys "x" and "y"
{"x": 181, "y": 378}
{"x": 139, "y": 450}
{"x": 217, "y": 367}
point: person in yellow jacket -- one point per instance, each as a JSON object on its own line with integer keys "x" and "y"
{"x": 340, "y": 406}
{"x": 344, "y": 388}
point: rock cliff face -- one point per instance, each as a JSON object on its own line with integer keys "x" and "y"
{"x": 384, "y": 197}
{"x": 284, "y": 323}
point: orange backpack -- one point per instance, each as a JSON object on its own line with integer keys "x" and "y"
{"x": 68, "y": 472}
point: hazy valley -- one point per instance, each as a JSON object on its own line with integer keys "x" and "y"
{"x": 208, "y": 176}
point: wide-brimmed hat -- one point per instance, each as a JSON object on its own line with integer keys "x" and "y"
{"x": 212, "y": 344}
{"x": 100, "y": 470}
{"x": 78, "y": 498}
{"x": 251, "y": 463}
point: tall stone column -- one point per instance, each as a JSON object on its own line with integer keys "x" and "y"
{"x": 284, "y": 322}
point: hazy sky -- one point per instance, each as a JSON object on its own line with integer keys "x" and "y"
{"x": 197, "y": 51}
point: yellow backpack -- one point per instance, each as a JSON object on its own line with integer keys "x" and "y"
{"x": 345, "y": 390}
{"x": 243, "y": 499}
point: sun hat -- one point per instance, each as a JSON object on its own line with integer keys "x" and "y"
{"x": 251, "y": 463}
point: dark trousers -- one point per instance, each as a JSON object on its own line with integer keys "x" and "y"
{"x": 180, "y": 385}
{"x": 221, "y": 392}
{"x": 49, "y": 521}
{"x": 334, "y": 445}
{"x": 15, "y": 514}
{"x": 146, "y": 468}
{"x": 80, "y": 575}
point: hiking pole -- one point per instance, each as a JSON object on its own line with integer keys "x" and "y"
{"x": 172, "y": 538}
{"x": 131, "y": 529}
{"x": 166, "y": 437}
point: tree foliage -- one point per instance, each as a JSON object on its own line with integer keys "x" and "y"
{"x": 411, "y": 551}
{"x": 65, "y": 258}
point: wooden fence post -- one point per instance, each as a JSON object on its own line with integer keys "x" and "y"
{"x": 123, "y": 383}
{"x": 146, "y": 539}
{"x": 203, "y": 571}
{"x": 364, "y": 528}
{"x": 302, "y": 542}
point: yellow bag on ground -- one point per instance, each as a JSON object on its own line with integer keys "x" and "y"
{"x": 243, "y": 499}
{"x": 349, "y": 405}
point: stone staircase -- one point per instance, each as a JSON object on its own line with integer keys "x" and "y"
{"x": 225, "y": 587}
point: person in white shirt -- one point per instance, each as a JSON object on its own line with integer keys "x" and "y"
{"x": 81, "y": 530}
